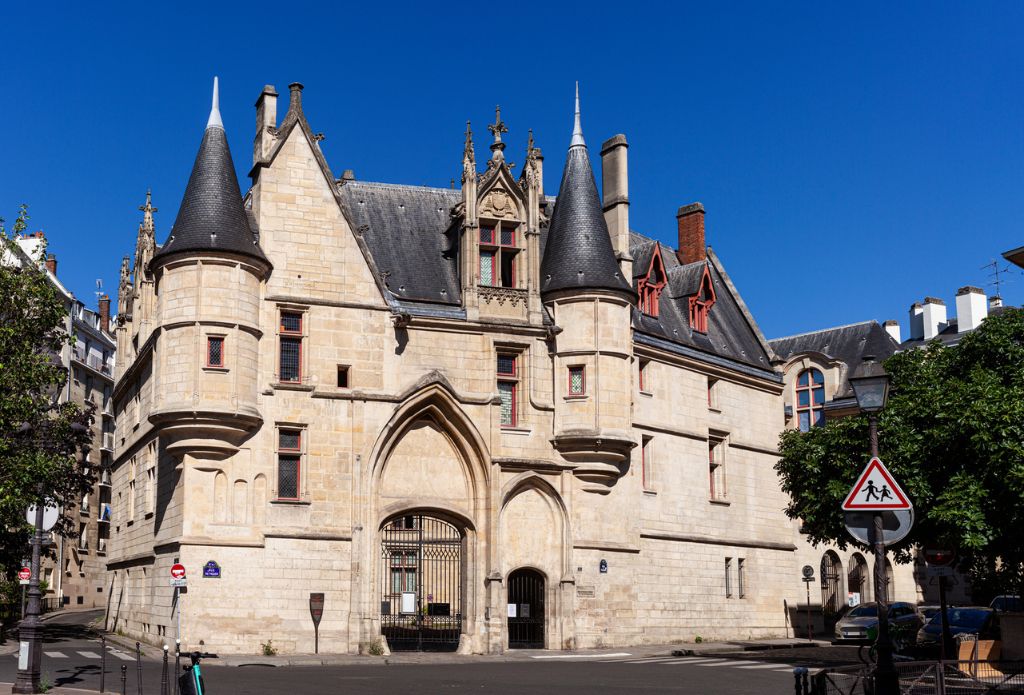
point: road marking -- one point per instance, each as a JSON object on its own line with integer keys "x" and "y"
{"x": 580, "y": 656}
{"x": 56, "y": 655}
{"x": 784, "y": 670}
{"x": 122, "y": 655}
{"x": 776, "y": 666}
{"x": 90, "y": 655}
{"x": 677, "y": 662}
{"x": 641, "y": 660}
{"x": 729, "y": 663}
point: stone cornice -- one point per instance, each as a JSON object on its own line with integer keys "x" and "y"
{"x": 739, "y": 543}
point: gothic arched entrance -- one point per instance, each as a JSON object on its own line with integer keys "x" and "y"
{"x": 422, "y": 583}
{"x": 857, "y": 578}
{"x": 526, "y": 609}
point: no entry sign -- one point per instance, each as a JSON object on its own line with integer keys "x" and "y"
{"x": 24, "y": 574}
{"x": 178, "y": 571}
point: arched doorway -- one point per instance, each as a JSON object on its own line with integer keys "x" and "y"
{"x": 857, "y": 579}
{"x": 832, "y": 600}
{"x": 526, "y": 609}
{"x": 422, "y": 583}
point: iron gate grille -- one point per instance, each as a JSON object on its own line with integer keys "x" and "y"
{"x": 526, "y": 601}
{"x": 421, "y": 584}
{"x": 831, "y": 601}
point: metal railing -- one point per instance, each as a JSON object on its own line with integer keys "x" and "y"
{"x": 918, "y": 678}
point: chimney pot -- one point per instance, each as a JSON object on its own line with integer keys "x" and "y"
{"x": 971, "y": 308}
{"x": 893, "y": 329}
{"x": 995, "y": 302}
{"x": 51, "y": 264}
{"x": 104, "y": 304}
{"x": 692, "y": 246}
{"x": 295, "y": 97}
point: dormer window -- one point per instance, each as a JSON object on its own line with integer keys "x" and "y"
{"x": 498, "y": 251}
{"x": 701, "y": 303}
{"x": 649, "y": 288}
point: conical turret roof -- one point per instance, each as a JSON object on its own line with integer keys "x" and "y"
{"x": 212, "y": 216}
{"x": 578, "y": 253}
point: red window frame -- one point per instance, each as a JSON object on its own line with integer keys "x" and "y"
{"x": 582, "y": 369}
{"x": 210, "y": 340}
{"x": 511, "y": 378}
{"x": 649, "y": 288}
{"x": 643, "y": 379}
{"x": 292, "y": 454}
{"x": 815, "y": 381}
{"x": 645, "y": 472}
{"x": 291, "y": 335}
{"x": 490, "y": 240}
{"x": 701, "y": 303}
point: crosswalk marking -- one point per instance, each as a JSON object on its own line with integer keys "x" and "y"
{"x": 677, "y": 662}
{"x": 641, "y": 660}
{"x": 122, "y": 655}
{"x": 775, "y": 666}
{"x": 56, "y": 655}
{"x": 728, "y": 663}
{"x": 90, "y": 655}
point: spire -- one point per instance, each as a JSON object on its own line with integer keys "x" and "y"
{"x": 148, "y": 209}
{"x": 468, "y": 156}
{"x": 214, "y": 121}
{"x": 212, "y": 216}
{"x": 577, "y": 129}
{"x": 578, "y": 252}
{"x": 497, "y": 147}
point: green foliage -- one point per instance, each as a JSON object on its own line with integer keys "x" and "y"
{"x": 376, "y": 648}
{"x": 953, "y": 436}
{"x": 40, "y": 438}
{"x": 268, "y": 648}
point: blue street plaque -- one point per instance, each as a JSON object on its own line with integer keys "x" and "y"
{"x": 211, "y": 569}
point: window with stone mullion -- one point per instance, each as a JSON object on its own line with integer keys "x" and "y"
{"x": 498, "y": 251}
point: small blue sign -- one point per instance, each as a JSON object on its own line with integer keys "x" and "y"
{"x": 211, "y": 569}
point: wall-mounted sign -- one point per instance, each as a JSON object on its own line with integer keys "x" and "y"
{"x": 408, "y": 601}
{"x": 603, "y": 567}
{"x": 211, "y": 569}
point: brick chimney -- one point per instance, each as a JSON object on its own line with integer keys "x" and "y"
{"x": 105, "y": 313}
{"x": 692, "y": 247}
{"x": 51, "y": 264}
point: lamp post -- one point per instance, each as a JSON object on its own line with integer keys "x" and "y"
{"x": 870, "y": 384}
{"x": 30, "y": 630}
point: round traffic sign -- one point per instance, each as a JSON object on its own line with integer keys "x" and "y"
{"x": 807, "y": 571}
{"x": 178, "y": 571}
{"x": 939, "y": 558}
{"x": 24, "y": 573}
{"x": 49, "y": 516}
{"x": 896, "y": 525}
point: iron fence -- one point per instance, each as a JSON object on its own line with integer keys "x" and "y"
{"x": 919, "y": 678}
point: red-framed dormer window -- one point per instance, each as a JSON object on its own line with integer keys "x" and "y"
{"x": 701, "y": 303}
{"x": 650, "y": 286}
{"x": 498, "y": 251}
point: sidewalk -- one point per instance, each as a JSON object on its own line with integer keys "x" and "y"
{"x": 5, "y": 689}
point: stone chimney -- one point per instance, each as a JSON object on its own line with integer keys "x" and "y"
{"x": 266, "y": 121}
{"x": 615, "y": 203}
{"x": 934, "y": 317}
{"x": 995, "y": 302}
{"x": 104, "y": 304}
{"x": 916, "y": 321}
{"x": 295, "y": 98}
{"x": 51, "y": 264}
{"x": 692, "y": 247}
{"x": 971, "y": 308}
{"x": 893, "y": 329}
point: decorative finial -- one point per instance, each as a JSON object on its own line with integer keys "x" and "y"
{"x": 215, "y": 121}
{"x": 148, "y": 209}
{"x": 577, "y": 129}
{"x": 467, "y": 152}
{"x": 497, "y": 147}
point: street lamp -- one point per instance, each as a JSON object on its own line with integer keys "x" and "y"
{"x": 30, "y": 630}
{"x": 870, "y": 384}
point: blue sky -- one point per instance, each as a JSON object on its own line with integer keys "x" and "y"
{"x": 852, "y": 158}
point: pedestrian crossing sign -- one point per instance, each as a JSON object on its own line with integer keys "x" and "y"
{"x": 876, "y": 490}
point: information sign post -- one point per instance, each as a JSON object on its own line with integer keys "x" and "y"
{"x": 316, "y": 611}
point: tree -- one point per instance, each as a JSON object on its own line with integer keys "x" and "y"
{"x": 41, "y": 438}
{"x": 952, "y": 434}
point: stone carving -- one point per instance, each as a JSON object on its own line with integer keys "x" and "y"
{"x": 503, "y": 294}
{"x": 498, "y": 203}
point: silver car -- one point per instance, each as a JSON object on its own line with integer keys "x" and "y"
{"x": 860, "y": 624}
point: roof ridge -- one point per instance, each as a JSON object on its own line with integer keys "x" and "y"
{"x": 823, "y": 330}
{"x": 382, "y": 184}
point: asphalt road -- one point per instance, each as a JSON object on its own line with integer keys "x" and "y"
{"x": 71, "y": 658}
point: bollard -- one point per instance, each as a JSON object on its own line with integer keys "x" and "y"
{"x": 163, "y": 675}
{"x": 177, "y": 666}
{"x": 800, "y": 681}
{"x": 138, "y": 665}
{"x": 103, "y": 663}
{"x": 124, "y": 680}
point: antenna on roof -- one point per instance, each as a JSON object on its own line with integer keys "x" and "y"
{"x": 997, "y": 275}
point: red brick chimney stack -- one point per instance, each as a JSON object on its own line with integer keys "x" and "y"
{"x": 105, "y": 313}
{"x": 51, "y": 264}
{"x": 692, "y": 247}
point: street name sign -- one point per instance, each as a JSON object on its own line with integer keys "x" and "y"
{"x": 876, "y": 491}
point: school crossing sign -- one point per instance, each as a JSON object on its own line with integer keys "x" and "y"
{"x": 876, "y": 491}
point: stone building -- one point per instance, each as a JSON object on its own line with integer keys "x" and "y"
{"x": 475, "y": 418}
{"x": 75, "y": 575}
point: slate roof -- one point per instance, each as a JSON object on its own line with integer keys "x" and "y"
{"x": 409, "y": 232}
{"x": 578, "y": 251}
{"x": 848, "y": 344}
{"x": 212, "y": 216}
{"x": 731, "y": 333}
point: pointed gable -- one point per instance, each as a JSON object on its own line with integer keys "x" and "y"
{"x": 212, "y": 216}
{"x": 578, "y": 252}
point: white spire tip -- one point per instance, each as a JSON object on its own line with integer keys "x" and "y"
{"x": 215, "y": 121}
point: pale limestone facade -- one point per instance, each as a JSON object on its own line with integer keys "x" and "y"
{"x": 420, "y": 427}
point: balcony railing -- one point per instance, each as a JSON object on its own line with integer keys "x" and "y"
{"x": 92, "y": 361}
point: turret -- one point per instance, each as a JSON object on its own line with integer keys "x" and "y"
{"x": 590, "y": 301}
{"x": 208, "y": 274}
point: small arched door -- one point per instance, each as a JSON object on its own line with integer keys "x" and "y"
{"x": 831, "y": 581}
{"x": 526, "y": 609}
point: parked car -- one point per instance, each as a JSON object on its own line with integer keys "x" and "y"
{"x": 860, "y": 624}
{"x": 928, "y": 612}
{"x": 983, "y": 622}
{"x": 1007, "y": 602}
